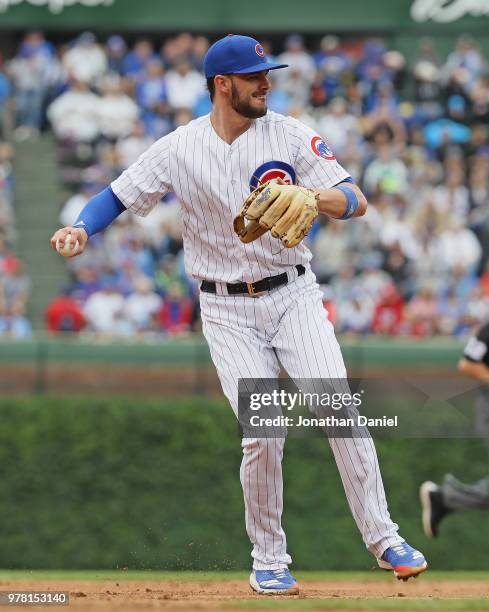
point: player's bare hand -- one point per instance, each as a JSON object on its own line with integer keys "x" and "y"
{"x": 69, "y": 241}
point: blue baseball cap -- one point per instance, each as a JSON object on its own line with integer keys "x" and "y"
{"x": 235, "y": 54}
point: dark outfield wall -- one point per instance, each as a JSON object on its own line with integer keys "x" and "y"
{"x": 97, "y": 483}
{"x": 64, "y": 365}
{"x": 221, "y": 15}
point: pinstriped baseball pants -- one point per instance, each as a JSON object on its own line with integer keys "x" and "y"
{"x": 247, "y": 338}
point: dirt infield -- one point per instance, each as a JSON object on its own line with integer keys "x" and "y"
{"x": 207, "y": 595}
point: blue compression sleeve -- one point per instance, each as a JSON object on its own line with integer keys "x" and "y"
{"x": 99, "y": 212}
{"x": 347, "y": 180}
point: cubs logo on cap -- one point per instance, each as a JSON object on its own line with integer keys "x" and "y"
{"x": 272, "y": 170}
{"x": 259, "y": 50}
{"x": 321, "y": 149}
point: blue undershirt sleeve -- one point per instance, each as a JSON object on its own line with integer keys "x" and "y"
{"x": 348, "y": 179}
{"x": 99, "y": 212}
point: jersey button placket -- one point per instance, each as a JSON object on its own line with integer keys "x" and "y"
{"x": 230, "y": 160}
{"x": 233, "y": 193}
{"x": 230, "y": 168}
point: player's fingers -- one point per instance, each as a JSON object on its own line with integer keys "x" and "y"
{"x": 71, "y": 240}
{"x": 59, "y": 236}
{"x": 79, "y": 234}
{"x": 70, "y": 248}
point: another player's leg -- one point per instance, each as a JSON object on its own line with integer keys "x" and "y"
{"x": 239, "y": 352}
{"x": 433, "y": 508}
{"x": 437, "y": 501}
{"x": 307, "y": 348}
{"x": 453, "y": 495}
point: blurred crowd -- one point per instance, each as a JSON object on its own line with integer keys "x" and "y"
{"x": 413, "y": 134}
{"x": 14, "y": 282}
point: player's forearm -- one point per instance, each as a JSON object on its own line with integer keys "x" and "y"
{"x": 99, "y": 212}
{"x": 338, "y": 203}
{"x": 478, "y": 371}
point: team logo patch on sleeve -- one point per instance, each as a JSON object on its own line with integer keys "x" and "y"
{"x": 321, "y": 149}
{"x": 475, "y": 349}
{"x": 272, "y": 170}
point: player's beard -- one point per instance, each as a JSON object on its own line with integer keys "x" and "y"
{"x": 243, "y": 107}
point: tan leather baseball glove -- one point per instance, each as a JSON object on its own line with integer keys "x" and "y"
{"x": 287, "y": 211}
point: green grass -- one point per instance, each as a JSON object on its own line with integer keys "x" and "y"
{"x": 363, "y": 604}
{"x": 306, "y": 576}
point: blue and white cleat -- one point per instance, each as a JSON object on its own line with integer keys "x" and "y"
{"x": 404, "y": 561}
{"x": 274, "y": 582}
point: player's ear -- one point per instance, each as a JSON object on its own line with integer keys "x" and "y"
{"x": 222, "y": 84}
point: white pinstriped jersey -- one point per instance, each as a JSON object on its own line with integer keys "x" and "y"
{"x": 212, "y": 178}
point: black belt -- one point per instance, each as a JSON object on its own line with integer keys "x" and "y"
{"x": 265, "y": 284}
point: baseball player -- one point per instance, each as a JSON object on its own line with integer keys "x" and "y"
{"x": 453, "y": 496}
{"x": 260, "y": 303}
